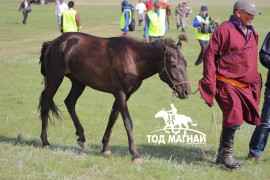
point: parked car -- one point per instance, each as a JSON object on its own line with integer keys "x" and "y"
{"x": 42, "y": 1}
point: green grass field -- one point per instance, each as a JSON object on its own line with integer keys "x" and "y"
{"x": 21, "y": 154}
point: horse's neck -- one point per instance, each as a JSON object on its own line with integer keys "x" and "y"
{"x": 152, "y": 59}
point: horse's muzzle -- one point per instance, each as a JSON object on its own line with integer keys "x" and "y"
{"x": 183, "y": 91}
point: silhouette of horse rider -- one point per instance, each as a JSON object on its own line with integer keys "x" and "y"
{"x": 172, "y": 113}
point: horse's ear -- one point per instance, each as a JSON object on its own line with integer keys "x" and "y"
{"x": 179, "y": 44}
{"x": 181, "y": 37}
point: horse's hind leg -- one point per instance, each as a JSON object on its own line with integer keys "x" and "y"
{"x": 71, "y": 100}
{"x": 44, "y": 114}
{"x": 46, "y": 104}
{"x": 106, "y": 138}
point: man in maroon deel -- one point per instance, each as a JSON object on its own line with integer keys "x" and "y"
{"x": 231, "y": 76}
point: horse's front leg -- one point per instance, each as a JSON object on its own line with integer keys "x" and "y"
{"x": 106, "y": 138}
{"x": 121, "y": 101}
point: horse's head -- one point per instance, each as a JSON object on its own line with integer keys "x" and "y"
{"x": 173, "y": 68}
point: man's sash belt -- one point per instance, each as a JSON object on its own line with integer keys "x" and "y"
{"x": 233, "y": 82}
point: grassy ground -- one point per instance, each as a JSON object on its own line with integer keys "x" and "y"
{"x": 21, "y": 155}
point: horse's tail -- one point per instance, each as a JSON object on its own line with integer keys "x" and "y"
{"x": 42, "y": 55}
{"x": 45, "y": 107}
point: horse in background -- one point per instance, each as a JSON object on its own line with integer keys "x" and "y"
{"x": 116, "y": 65}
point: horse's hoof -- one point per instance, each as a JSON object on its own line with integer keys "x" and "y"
{"x": 81, "y": 144}
{"x": 46, "y": 147}
{"x": 137, "y": 161}
{"x": 106, "y": 153}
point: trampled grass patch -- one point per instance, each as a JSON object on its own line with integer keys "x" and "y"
{"x": 21, "y": 155}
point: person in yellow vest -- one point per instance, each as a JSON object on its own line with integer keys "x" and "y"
{"x": 155, "y": 23}
{"x": 201, "y": 23}
{"x": 71, "y": 21}
{"x": 126, "y": 17}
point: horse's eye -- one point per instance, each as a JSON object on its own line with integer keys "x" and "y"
{"x": 173, "y": 60}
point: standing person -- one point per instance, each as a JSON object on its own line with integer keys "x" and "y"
{"x": 61, "y": 6}
{"x": 26, "y": 8}
{"x": 231, "y": 76}
{"x": 163, "y": 4}
{"x": 181, "y": 13}
{"x": 200, "y": 23}
{"x": 126, "y": 17}
{"x": 168, "y": 14}
{"x": 155, "y": 23}
{"x": 177, "y": 15}
{"x": 189, "y": 11}
{"x": 149, "y": 5}
{"x": 141, "y": 8}
{"x": 260, "y": 135}
{"x": 71, "y": 21}
{"x": 184, "y": 16}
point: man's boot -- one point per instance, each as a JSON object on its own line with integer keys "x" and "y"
{"x": 226, "y": 148}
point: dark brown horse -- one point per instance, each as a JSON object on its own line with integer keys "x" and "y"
{"x": 115, "y": 65}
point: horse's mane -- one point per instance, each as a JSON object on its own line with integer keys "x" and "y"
{"x": 163, "y": 42}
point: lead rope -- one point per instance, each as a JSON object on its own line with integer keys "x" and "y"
{"x": 173, "y": 94}
{"x": 213, "y": 120}
{"x": 216, "y": 134}
{"x": 195, "y": 91}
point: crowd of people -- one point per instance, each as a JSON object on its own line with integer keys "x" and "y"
{"x": 229, "y": 54}
{"x": 146, "y": 7}
{"x": 68, "y": 18}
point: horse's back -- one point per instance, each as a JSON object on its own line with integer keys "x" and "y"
{"x": 78, "y": 48}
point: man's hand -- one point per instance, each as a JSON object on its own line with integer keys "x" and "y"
{"x": 123, "y": 33}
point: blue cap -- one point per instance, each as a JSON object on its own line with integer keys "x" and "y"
{"x": 124, "y": 3}
{"x": 204, "y": 8}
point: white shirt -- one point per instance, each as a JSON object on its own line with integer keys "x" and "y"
{"x": 140, "y": 7}
{"x": 26, "y": 4}
{"x": 60, "y": 8}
